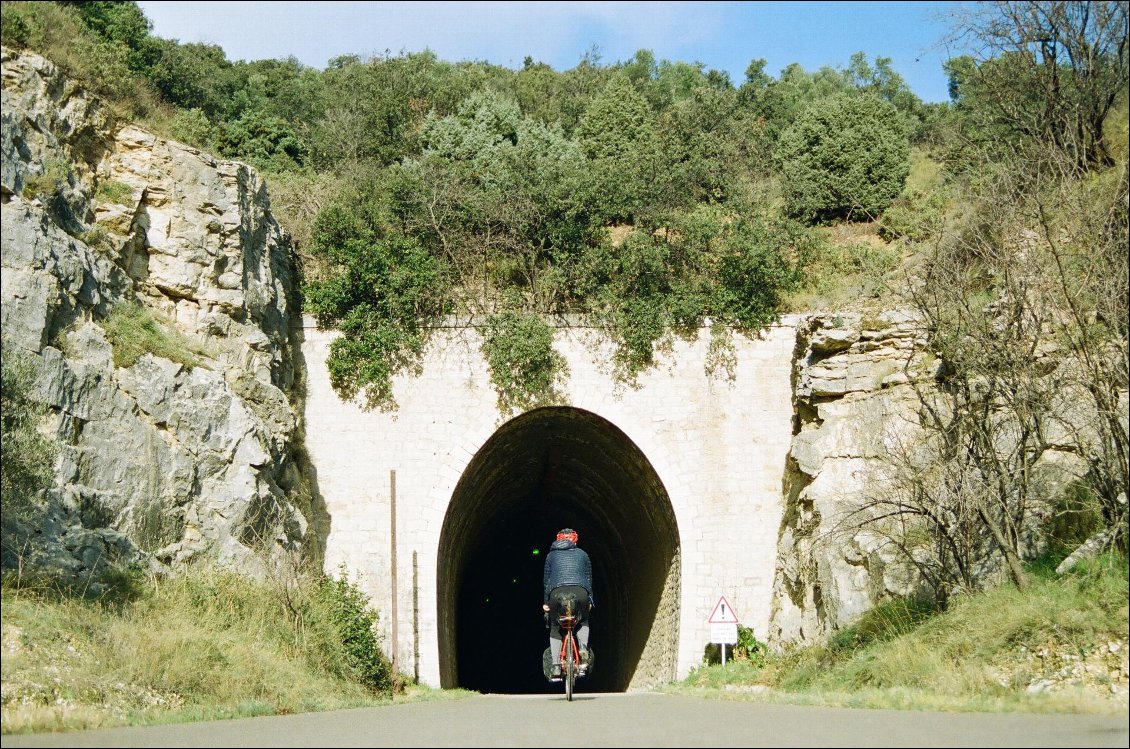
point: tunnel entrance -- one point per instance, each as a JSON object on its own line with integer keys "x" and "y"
{"x": 544, "y": 470}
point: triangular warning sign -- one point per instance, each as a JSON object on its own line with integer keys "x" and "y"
{"x": 723, "y": 613}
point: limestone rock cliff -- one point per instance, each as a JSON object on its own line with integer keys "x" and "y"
{"x": 161, "y": 462}
{"x": 853, "y": 400}
{"x": 859, "y": 385}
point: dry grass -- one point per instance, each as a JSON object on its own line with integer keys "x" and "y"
{"x": 207, "y": 645}
{"x": 135, "y": 331}
{"x": 1060, "y": 646}
{"x": 853, "y": 267}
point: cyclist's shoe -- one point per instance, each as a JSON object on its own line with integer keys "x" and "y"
{"x": 583, "y": 666}
{"x": 555, "y": 672}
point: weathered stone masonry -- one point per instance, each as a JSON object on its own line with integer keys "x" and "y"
{"x": 717, "y": 446}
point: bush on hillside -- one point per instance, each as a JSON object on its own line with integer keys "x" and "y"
{"x": 356, "y": 625}
{"x": 845, "y": 156}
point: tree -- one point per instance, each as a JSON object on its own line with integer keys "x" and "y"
{"x": 483, "y": 123}
{"x": 121, "y": 23}
{"x": 888, "y": 85}
{"x": 707, "y": 144}
{"x": 194, "y": 75}
{"x": 778, "y": 103}
{"x": 539, "y": 91}
{"x": 265, "y": 141}
{"x": 579, "y": 86}
{"x": 706, "y": 263}
{"x": 618, "y": 135}
{"x": 379, "y": 294}
{"x": 374, "y": 109}
{"x": 1049, "y": 71}
{"x": 497, "y": 192}
{"x": 845, "y": 155}
{"x": 281, "y": 88}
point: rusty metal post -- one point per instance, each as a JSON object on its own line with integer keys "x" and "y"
{"x": 392, "y": 504}
{"x": 415, "y": 619}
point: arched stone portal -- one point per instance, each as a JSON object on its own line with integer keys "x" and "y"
{"x": 543, "y": 470}
{"x": 715, "y": 454}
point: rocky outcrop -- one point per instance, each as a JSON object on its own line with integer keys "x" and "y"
{"x": 162, "y": 461}
{"x": 853, "y": 400}
{"x": 853, "y": 532}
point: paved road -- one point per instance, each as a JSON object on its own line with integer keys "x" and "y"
{"x": 594, "y": 720}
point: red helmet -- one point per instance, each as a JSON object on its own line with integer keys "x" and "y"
{"x": 567, "y": 534}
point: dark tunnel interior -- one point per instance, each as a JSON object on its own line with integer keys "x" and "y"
{"x": 544, "y": 470}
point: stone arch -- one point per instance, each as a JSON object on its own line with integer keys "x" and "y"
{"x": 545, "y": 469}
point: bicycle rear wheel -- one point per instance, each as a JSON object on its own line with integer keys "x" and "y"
{"x": 570, "y": 666}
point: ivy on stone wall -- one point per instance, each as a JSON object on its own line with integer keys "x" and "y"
{"x": 524, "y": 368}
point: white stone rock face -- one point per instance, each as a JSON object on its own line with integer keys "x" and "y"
{"x": 160, "y": 463}
{"x": 852, "y": 398}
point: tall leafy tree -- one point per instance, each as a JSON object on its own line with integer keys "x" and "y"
{"x": 846, "y": 155}
{"x": 618, "y": 134}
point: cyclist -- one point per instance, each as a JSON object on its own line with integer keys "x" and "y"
{"x": 568, "y": 573}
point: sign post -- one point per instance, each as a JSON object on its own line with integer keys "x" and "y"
{"x": 723, "y": 625}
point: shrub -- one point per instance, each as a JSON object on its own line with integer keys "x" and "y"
{"x": 28, "y": 456}
{"x": 618, "y": 134}
{"x": 377, "y": 298}
{"x": 914, "y": 216}
{"x": 266, "y": 142}
{"x": 112, "y": 191}
{"x": 54, "y": 179}
{"x": 524, "y": 367}
{"x": 17, "y": 30}
{"x": 98, "y": 238}
{"x": 844, "y": 155}
{"x": 749, "y": 648}
{"x": 356, "y": 624}
{"x": 192, "y": 126}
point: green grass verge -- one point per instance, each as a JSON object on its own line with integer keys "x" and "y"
{"x": 212, "y": 645}
{"x": 205, "y": 646}
{"x": 983, "y": 653}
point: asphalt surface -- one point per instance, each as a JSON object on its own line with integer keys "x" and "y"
{"x": 595, "y": 720}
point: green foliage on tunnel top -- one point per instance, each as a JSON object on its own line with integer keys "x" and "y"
{"x": 647, "y": 196}
{"x": 127, "y": 650}
{"x": 981, "y": 654}
{"x": 640, "y": 194}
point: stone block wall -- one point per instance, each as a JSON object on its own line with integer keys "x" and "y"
{"x": 718, "y": 447}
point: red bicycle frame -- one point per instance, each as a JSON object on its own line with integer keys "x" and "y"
{"x": 570, "y": 657}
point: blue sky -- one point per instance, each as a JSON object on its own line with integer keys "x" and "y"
{"x": 722, "y": 35}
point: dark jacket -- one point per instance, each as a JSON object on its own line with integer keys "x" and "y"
{"x": 566, "y": 564}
